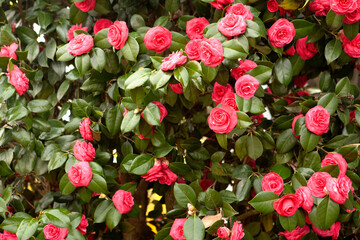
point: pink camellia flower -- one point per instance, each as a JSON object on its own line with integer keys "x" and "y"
{"x": 287, "y": 205}
{"x": 9, "y": 51}
{"x": 195, "y": 27}
{"x": 335, "y": 159}
{"x": 282, "y": 32}
{"x": 306, "y": 201}
{"x": 305, "y": 50}
{"x": 232, "y": 25}
{"x": 222, "y": 119}
{"x": 301, "y": 80}
{"x": 211, "y": 52}
{"x": 84, "y": 151}
{"x": 237, "y": 231}
{"x": 125, "y": 112}
{"x": 353, "y": 17}
{"x": 223, "y": 232}
{"x": 352, "y": 48}
{"x": 243, "y": 67}
{"x": 338, "y": 188}
{"x": 240, "y": 9}
{"x": 229, "y": 100}
{"x": 55, "y": 233}
{"x": 123, "y": 201}
{"x": 320, "y": 7}
{"x": 350, "y": 211}
{"x": 219, "y": 4}
{"x": 293, "y": 124}
{"x": 18, "y": 79}
{"x": 80, "y": 44}
{"x": 177, "y": 88}
{"x": 317, "y": 184}
{"x": 317, "y": 120}
{"x": 296, "y": 234}
{"x": 192, "y": 49}
{"x": 290, "y": 51}
{"x": 85, "y": 129}
{"x": 83, "y": 224}
{"x": 272, "y": 6}
{"x": 219, "y": 92}
{"x": 73, "y": 28}
{"x": 172, "y": 61}
{"x": 161, "y": 172}
{"x": 162, "y": 108}
{"x": 352, "y": 115}
{"x": 246, "y": 86}
{"x": 176, "y": 231}
{"x": 341, "y": 7}
{"x": 86, "y": 5}
{"x": 158, "y": 39}
{"x": 333, "y": 232}
{"x": 118, "y": 34}
{"x": 101, "y": 24}
{"x": 273, "y": 182}
{"x": 80, "y": 174}
{"x": 8, "y": 236}
{"x": 205, "y": 184}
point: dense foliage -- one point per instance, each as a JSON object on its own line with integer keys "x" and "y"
{"x": 179, "y": 119}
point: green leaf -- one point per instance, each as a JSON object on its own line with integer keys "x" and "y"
{"x": 308, "y": 140}
{"x": 57, "y": 160}
{"x": 330, "y": 102}
{"x": 351, "y": 30}
{"x": 235, "y": 49}
{"x": 228, "y": 210}
{"x": 66, "y": 187}
{"x": 76, "y": 15}
{"x": 130, "y": 122}
{"x": 113, "y": 217}
{"x": 297, "y": 64}
{"x": 151, "y": 114}
{"x": 62, "y": 89}
{"x": 332, "y": 50}
{"x": 26, "y": 35}
{"x": 263, "y": 201}
{"x": 333, "y": 20}
{"x": 39, "y": 105}
{"x": 45, "y": 19}
{"x": 342, "y": 88}
{"x": 82, "y": 64}
{"x": 137, "y": 21}
{"x": 100, "y": 39}
{"x": 240, "y": 147}
{"x": 172, "y": 5}
{"x": 137, "y": 79}
{"x": 102, "y": 210}
{"x": 33, "y": 51}
{"x": 254, "y": 147}
{"x": 27, "y": 228}
{"x": 283, "y": 71}
{"x": 286, "y": 141}
{"x": 288, "y": 223}
{"x": 63, "y": 55}
{"x": 325, "y": 214}
{"x": 212, "y": 199}
{"x": 178, "y": 41}
{"x": 303, "y": 28}
{"x": 182, "y": 75}
{"x": 244, "y": 120}
{"x": 222, "y": 140}
{"x": 131, "y": 49}
{"x": 98, "y": 184}
{"x": 160, "y": 78}
{"x": 208, "y": 73}
{"x": 243, "y": 189}
{"x": 194, "y": 228}
{"x": 184, "y": 194}
{"x": 141, "y": 164}
{"x": 113, "y": 120}
{"x": 98, "y": 59}
{"x": 58, "y": 218}
{"x": 261, "y": 73}
{"x": 16, "y": 113}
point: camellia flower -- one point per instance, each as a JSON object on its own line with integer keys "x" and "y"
{"x": 80, "y": 44}
{"x": 86, "y": 5}
{"x": 176, "y": 231}
{"x": 335, "y": 159}
{"x": 317, "y": 120}
{"x": 54, "y": 233}
{"x": 73, "y": 28}
{"x": 240, "y": 9}
{"x": 195, "y": 27}
{"x": 296, "y": 234}
{"x": 232, "y": 25}
{"x": 273, "y": 182}
{"x": 172, "y": 61}
{"x": 222, "y": 119}
{"x": 243, "y": 67}
{"x": 84, "y": 151}
{"x": 333, "y": 232}
{"x": 219, "y": 92}
{"x": 102, "y": 24}
{"x": 85, "y": 129}
{"x": 18, "y": 79}
{"x": 282, "y": 32}
{"x": 9, "y": 51}
{"x": 237, "y": 231}
{"x": 123, "y": 201}
{"x": 177, "y": 88}
{"x": 160, "y": 172}
{"x": 80, "y": 174}
{"x": 118, "y": 34}
{"x": 157, "y": 39}
{"x": 246, "y": 86}
{"x": 287, "y": 205}
{"x": 317, "y": 184}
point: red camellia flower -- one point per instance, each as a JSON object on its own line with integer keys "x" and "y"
{"x": 176, "y": 231}
{"x": 211, "y": 52}
{"x": 80, "y": 44}
{"x": 243, "y": 67}
{"x": 333, "y": 232}
{"x": 9, "y": 51}
{"x": 317, "y": 120}
{"x": 240, "y": 9}
{"x": 8, "y": 236}
{"x": 216, "y": 5}
{"x": 162, "y": 108}
{"x": 205, "y": 184}
{"x": 353, "y": 17}
{"x": 229, "y": 100}
{"x": 158, "y": 39}
{"x": 177, "y": 88}
{"x": 317, "y": 183}
{"x": 84, "y": 151}
{"x": 101, "y": 24}
{"x": 305, "y": 50}
{"x": 320, "y": 7}
{"x": 301, "y": 80}
{"x": 123, "y": 201}
{"x": 290, "y": 51}
{"x": 338, "y": 188}
{"x": 296, "y": 234}
{"x": 192, "y": 49}
{"x": 223, "y": 232}
{"x": 18, "y": 79}
{"x": 195, "y": 27}
{"x": 73, "y": 28}
{"x": 80, "y": 174}
{"x": 246, "y": 86}
{"x": 232, "y": 25}
{"x": 118, "y": 34}
{"x": 161, "y": 172}
{"x": 83, "y": 224}
{"x": 256, "y": 119}
{"x": 282, "y": 32}
{"x": 172, "y": 61}
{"x": 272, "y": 6}
{"x": 306, "y": 201}
{"x": 219, "y": 92}
{"x": 222, "y": 119}
{"x": 342, "y": 7}
{"x": 85, "y": 129}
{"x": 237, "y": 231}
{"x": 55, "y": 233}
{"x": 352, "y": 48}
{"x": 294, "y": 122}
{"x": 287, "y": 205}
{"x": 86, "y": 5}
{"x": 273, "y": 182}
{"x": 335, "y": 159}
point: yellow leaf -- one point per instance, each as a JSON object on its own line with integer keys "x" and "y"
{"x": 290, "y": 4}
{"x": 209, "y": 220}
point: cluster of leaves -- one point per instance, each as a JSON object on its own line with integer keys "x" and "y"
{"x": 39, "y": 128}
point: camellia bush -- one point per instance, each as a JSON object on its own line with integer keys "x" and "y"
{"x": 179, "y": 119}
